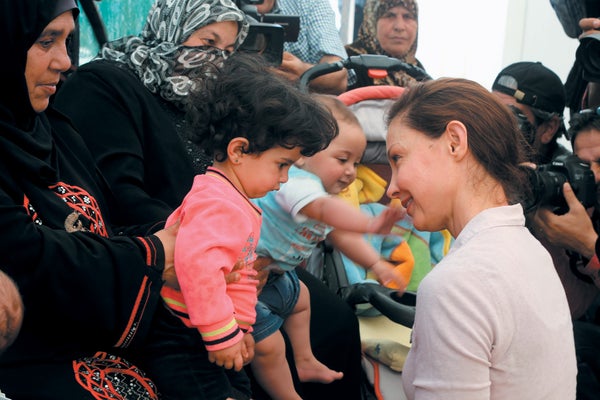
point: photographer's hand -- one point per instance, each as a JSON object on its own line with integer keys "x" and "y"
{"x": 573, "y": 231}
{"x": 292, "y": 68}
{"x": 589, "y": 25}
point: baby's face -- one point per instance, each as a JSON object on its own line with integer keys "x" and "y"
{"x": 261, "y": 173}
{"x": 336, "y": 165}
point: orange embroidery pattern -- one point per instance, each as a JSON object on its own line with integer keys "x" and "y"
{"x": 109, "y": 377}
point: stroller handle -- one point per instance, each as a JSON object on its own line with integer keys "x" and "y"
{"x": 362, "y": 62}
{"x": 397, "y": 308}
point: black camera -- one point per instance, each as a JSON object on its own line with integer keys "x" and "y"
{"x": 588, "y": 54}
{"x": 268, "y": 32}
{"x": 547, "y": 182}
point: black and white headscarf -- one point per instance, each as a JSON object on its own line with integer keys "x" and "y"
{"x": 157, "y": 55}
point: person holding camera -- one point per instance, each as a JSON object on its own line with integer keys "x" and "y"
{"x": 538, "y": 93}
{"x": 579, "y": 19}
{"x": 318, "y": 42}
{"x": 587, "y": 56}
{"x": 576, "y": 231}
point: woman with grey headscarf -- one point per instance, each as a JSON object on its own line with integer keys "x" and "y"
{"x": 129, "y": 102}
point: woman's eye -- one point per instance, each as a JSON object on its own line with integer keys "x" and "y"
{"x": 45, "y": 43}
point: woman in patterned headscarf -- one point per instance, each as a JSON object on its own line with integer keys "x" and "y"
{"x": 128, "y": 106}
{"x": 129, "y": 102}
{"x": 389, "y": 27}
{"x": 163, "y": 57}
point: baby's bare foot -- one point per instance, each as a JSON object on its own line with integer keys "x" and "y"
{"x": 315, "y": 371}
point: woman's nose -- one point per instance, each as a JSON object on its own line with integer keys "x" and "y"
{"x": 398, "y": 24}
{"x": 392, "y": 190}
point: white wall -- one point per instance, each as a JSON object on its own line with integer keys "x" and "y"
{"x": 475, "y": 39}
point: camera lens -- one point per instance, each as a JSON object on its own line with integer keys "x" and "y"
{"x": 547, "y": 188}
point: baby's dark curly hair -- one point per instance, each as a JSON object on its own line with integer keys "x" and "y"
{"x": 248, "y": 100}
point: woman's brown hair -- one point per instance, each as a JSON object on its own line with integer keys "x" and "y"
{"x": 494, "y": 138}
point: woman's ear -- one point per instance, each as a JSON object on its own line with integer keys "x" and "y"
{"x": 456, "y": 136}
{"x": 236, "y": 149}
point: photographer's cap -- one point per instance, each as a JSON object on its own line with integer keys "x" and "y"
{"x": 534, "y": 85}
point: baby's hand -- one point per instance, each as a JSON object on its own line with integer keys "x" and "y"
{"x": 248, "y": 348}
{"x": 384, "y": 222}
{"x": 386, "y": 275}
{"x": 229, "y": 358}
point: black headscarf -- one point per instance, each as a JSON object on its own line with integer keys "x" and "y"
{"x": 21, "y": 23}
{"x": 25, "y": 137}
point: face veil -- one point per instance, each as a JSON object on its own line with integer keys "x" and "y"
{"x": 157, "y": 55}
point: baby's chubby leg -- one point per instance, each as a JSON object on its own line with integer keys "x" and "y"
{"x": 271, "y": 370}
{"x": 297, "y": 327}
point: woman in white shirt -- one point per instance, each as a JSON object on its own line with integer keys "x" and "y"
{"x": 492, "y": 319}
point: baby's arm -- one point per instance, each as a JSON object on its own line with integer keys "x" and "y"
{"x": 357, "y": 249}
{"x": 341, "y": 215}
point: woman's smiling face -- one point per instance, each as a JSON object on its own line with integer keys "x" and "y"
{"x": 417, "y": 163}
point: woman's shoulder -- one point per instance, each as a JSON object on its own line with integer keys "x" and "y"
{"x": 354, "y": 49}
{"x": 102, "y": 78}
{"x": 108, "y": 71}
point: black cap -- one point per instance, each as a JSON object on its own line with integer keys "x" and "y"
{"x": 534, "y": 85}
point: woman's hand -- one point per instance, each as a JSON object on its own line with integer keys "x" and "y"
{"x": 248, "y": 348}
{"x": 260, "y": 265}
{"x": 167, "y": 237}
